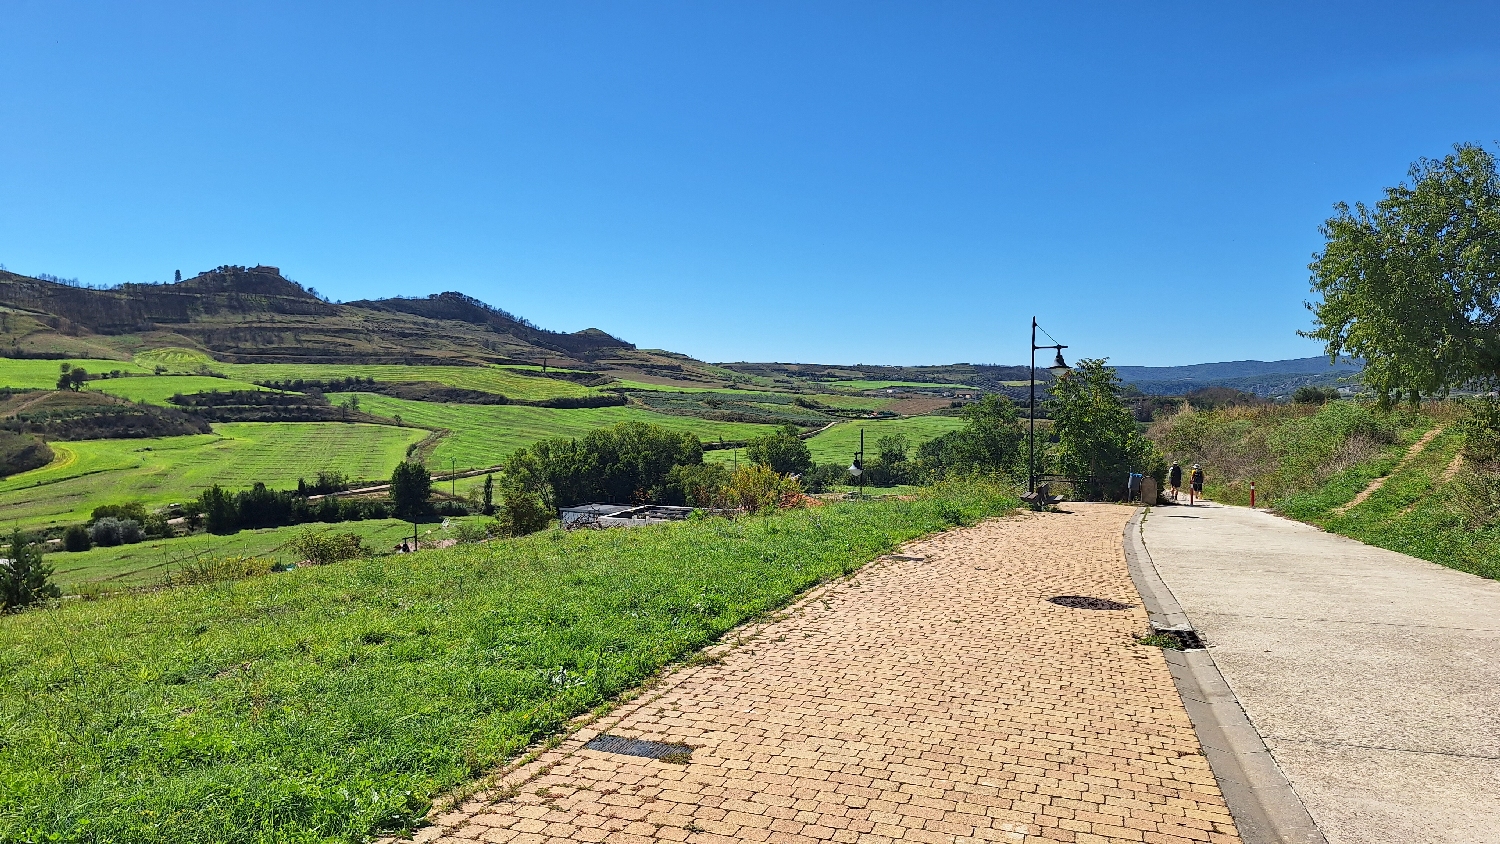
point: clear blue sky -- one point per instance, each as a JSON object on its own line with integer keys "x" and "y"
{"x": 834, "y": 182}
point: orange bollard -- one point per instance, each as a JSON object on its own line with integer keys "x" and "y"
{"x": 1252, "y": 495}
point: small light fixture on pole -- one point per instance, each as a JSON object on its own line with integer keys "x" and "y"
{"x": 857, "y": 468}
{"x": 1058, "y": 367}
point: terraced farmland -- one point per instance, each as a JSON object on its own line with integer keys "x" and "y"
{"x": 157, "y": 389}
{"x": 484, "y": 435}
{"x": 490, "y": 379}
{"x": 166, "y": 469}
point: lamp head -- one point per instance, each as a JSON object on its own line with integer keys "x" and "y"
{"x": 855, "y": 468}
{"x": 1059, "y": 366}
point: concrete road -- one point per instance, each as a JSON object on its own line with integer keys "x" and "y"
{"x": 1373, "y": 677}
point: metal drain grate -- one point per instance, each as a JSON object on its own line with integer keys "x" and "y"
{"x": 637, "y": 747}
{"x": 1081, "y": 602}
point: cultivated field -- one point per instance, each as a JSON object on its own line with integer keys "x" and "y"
{"x": 42, "y": 374}
{"x": 490, "y": 379}
{"x": 838, "y": 444}
{"x": 161, "y": 470}
{"x": 147, "y": 563}
{"x": 485, "y": 435}
{"x": 157, "y": 389}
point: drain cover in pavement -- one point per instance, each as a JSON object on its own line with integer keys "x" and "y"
{"x": 637, "y": 747}
{"x": 1080, "y": 602}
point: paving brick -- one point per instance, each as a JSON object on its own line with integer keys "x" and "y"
{"x": 939, "y": 699}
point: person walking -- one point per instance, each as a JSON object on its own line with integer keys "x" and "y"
{"x": 1174, "y": 479}
{"x": 1196, "y": 479}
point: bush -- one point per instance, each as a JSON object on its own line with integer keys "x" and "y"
{"x": 134, "y": 510}
{"x": 76, "y": 538}
{"x": 215, "y": 569}
{"x": 324, "y": 547}
{"x": 700, "y": 485}
{"x": 467, "y": 533}
{"x": 522, "y": 513}
{"x": 110, "y": 531}
{"x": 1315, "y": 395}
{"x": 1480, "y": 426}
{"x": 757, "y": 488}
{"x": 631, "y": 461}
{"x": 24, "y": 580}
{"x": 825, "y": 476}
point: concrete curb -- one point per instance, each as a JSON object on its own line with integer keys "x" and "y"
{"x": 1265, "y": 807}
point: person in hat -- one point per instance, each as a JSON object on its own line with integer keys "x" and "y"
{"x": 1196, "y": 479}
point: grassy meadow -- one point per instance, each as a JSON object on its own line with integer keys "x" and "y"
{"x": 327, "y": 704}
{"x": 161, "y": 470}
{"x": 488, "y": 434}
{"x": 840, "y": 442}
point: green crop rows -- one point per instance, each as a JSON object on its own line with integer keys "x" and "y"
{"x": 490, "y": 379}
{"x": 156, "y": 389}
{"x": 485, "y": 435}
{"x": 42, "y": 374}
{"x": 166, "y": 469}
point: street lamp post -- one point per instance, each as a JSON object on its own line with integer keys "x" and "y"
{"x": 1057, "y": 368}
{"x": 857, "y": 468}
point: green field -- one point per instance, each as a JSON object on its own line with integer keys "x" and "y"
{"x": 147, "y": 563}
{"x": 156, "y": 389}
{"x": 881, "y": 385}
{"x": 485, "y": 435}
{"x": 173, "y": 359}
{"x": 667, "y": 388}
{"x": 490, "y": 379}
{"x": 852, "y": 402}
{"x": 89, "y": 473}
{"x": 42, "y": 374}
{"x": 838, "y": 444}
{"x": 332, "y": 703}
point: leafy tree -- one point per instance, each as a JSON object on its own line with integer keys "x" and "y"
{"x": 76, "y": 538}
{"x": 697, "y": 485}
{"x": 77, "y": 376}
{"x": 1309, "y": 394}
{"x": 1412, "y": 286}
{"x": 410, "y": 487}
{"x": 219, "y": 512}
{"x": 1096, "y": 433}
{"x": 177, "y": 276}
{"x": 989, "y": 442}
{"x": 24, "y": 578}
{"x": 782, "y": 450}
{"x": 631, "y": 461}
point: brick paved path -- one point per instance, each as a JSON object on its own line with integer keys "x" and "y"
{"x": 940, "y": 699}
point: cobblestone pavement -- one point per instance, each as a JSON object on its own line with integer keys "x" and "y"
{"x": 935, "y": 696}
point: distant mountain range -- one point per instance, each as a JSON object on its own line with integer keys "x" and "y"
{"x": 1264, "y": 378}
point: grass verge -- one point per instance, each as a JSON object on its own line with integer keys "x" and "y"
{"x": 327, "y": 704}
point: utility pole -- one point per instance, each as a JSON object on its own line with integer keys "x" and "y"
{"x": 453, "y": 477}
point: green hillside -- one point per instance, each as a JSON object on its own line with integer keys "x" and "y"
{"x": 166, "y": 469}
{"x": 1392, "y": 479}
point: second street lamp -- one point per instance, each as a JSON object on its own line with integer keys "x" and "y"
{"x": 1058, "y": 367}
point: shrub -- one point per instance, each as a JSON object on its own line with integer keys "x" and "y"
{"x": 216, "y": 569}
{"x": 757, "y": 488}
{"x": 825, "y": 476}
{"x": 134, "y": 510}
{"x": 700, "y": 485}
{"x": 1480, "y": 425}
{"x": 24, "y": 579}
{"x": 522, "y": 513}
{"x": 631, "y": 461}
{"x": 76, "y": 538}
{"x": 110, "y": 531}
{"x": 467, "y": 533}
{"x": 324, "y": 547}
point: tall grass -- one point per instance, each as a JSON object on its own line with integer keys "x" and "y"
{"x": 326, "y": 704}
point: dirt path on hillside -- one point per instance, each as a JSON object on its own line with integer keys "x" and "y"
{"x": 1375, "y": 485}
{"x": 937, "y": 695}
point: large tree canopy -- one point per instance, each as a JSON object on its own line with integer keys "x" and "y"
{"x": 1412, "y": 286}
